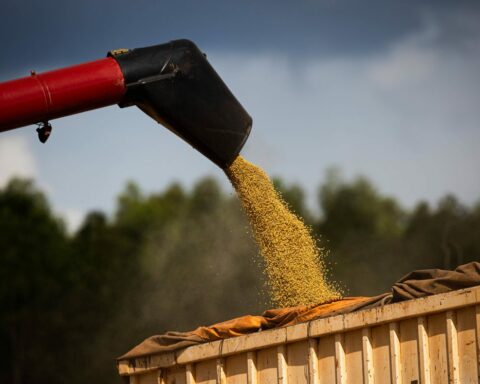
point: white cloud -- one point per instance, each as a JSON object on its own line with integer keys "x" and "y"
{"x": 407, "y": 117}
{"x": 16, "y": 158}
{"x": 73, "y": 218}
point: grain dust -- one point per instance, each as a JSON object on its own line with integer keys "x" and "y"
{"x": 294, "y": 265}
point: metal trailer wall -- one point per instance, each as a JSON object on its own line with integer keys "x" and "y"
{"x": 429, "y": 340}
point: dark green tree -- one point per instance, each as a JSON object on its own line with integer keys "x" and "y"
{"x": 34, "y": 276}
{"x": 362, "y": 229}
{"x": 176, "y": 259}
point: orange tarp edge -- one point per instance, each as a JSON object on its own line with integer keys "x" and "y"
{"x": 413, "y": 285}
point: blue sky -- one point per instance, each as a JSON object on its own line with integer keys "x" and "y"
{"x": 387, "y": 89}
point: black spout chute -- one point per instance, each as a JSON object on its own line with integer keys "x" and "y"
{"x": 175, "y": 84}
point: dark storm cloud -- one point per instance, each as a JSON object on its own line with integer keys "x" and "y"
{"x": 37, "y": 34}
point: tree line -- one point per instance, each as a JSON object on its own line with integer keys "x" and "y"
{"x": 177, "y": 259}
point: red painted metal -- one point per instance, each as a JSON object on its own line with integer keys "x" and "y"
{"x": 62, "y": 92}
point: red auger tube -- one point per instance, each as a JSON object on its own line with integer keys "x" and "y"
{"x": 49, "y": 95}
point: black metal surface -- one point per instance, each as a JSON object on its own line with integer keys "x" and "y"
{"x": 44, "y": 131}
{"x": 175, "y": 84}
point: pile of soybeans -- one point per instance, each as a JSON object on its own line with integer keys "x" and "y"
{"x": 294, "y": 265}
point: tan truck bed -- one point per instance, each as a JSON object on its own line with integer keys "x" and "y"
{"x": 428, "y": 340}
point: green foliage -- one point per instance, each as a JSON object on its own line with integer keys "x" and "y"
{"x": 363, "y": 230}
{"x": 177, "y": 259}
{"x": 353, "y": 211}
{"x": 33, "y": 274}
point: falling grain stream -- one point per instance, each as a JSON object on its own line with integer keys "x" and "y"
{"x": 294, "y": 264}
